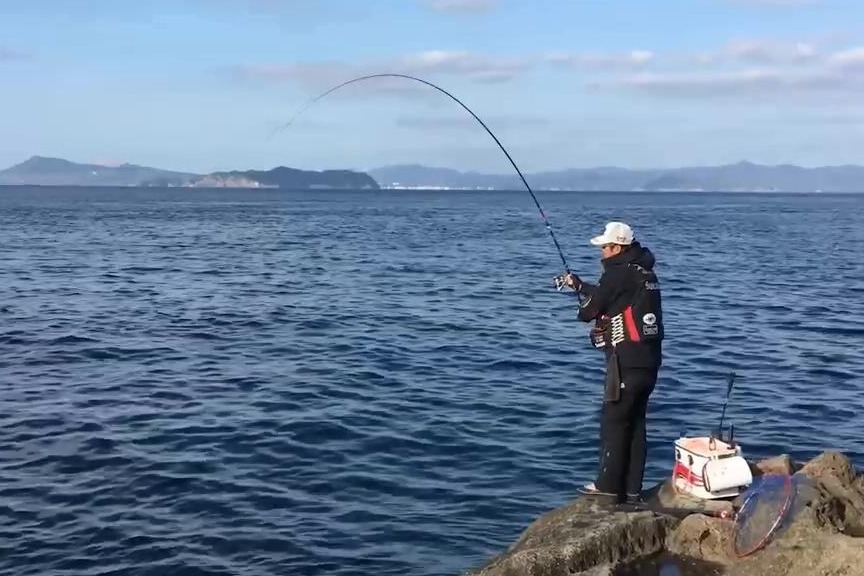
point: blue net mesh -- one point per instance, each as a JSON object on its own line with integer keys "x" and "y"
{"x": 765, "y": 508}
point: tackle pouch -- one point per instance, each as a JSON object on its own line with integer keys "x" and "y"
{"x": 599, "y": 333}
{"x": 612, "y": 391}
{"x": 598, "y": 338}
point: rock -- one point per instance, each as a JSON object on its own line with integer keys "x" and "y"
{"x": 581, "y": 537}
{"x": 816, "y": 555}
{"x": 777, "y": 465}
{"x": 838, "y": 503}
{"x": 703, "y": 537}
{"x": 817, "y": 538}
{"x": 832, "y": 463}
{"x": 664, "y": 564}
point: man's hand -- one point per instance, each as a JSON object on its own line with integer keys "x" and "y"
{"x": 573, "y": 281}
{"x": 570, "y": 279}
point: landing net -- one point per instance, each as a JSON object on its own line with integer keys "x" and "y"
{"x": 766, "y": 505}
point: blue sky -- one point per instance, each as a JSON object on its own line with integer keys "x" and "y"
{"x": 201, "y": 85}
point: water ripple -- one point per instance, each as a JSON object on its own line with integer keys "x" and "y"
{"x": 269, "y": 382}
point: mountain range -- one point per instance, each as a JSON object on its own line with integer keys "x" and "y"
{"x": 741, "y": 176}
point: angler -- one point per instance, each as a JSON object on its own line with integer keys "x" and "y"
{"x": 626, "y": 308}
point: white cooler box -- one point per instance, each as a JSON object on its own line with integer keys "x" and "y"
{"x": 709, "y": 468}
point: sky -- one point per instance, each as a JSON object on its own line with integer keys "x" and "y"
{"x": 205, "y": 85}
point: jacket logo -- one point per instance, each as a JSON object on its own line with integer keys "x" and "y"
{"x": 649, "y": 326}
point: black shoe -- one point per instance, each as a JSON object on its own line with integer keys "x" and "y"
{"x": 635, "y": 500}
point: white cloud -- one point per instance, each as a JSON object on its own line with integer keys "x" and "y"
{"x": 782, "y": 84}
{"x": 852, "y": 58}
{"x": 476, "y": 67}
{"x": 634, "y": 58}
{"x": 770, "y": 52}
{"x": 459, "y": 121}
{"x": 759, "y": 51}
{"x": 741, "y": 67}
{"x": 751, "y": 67}
{"x": 463, "y": 6}
{"x": 699, "y": 83}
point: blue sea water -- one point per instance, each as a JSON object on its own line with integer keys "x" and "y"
{"x": 235, "y": 382}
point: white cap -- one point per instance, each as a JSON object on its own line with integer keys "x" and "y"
{"x": 615, "y": 233}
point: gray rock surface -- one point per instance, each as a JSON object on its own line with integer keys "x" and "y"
{"x": 823, "y": 534}
{"x": 579, "y": 537}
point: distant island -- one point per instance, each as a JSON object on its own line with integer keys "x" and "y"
{"x": 739, "y": 177}
{"x": 42, "y": 171}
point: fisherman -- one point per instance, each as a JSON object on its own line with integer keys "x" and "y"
{"x": 625, "y": 307}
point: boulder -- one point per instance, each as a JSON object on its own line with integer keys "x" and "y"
{"x": 833, "y": 464}
{"x": 782, "y": 464}
{"x": 700, "y": 536}
{"x": 821, "y": 535}
{"x": 840, "y": 504}
{"x": 805, "y": 549}
{"x": 585, "y": 536}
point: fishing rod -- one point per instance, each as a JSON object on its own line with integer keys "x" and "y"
{"x": 455, "y": 99}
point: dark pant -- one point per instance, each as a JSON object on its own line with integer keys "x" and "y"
{"x": 623, "y": 443}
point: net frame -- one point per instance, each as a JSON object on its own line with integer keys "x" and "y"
{"x": 765, "y": 486}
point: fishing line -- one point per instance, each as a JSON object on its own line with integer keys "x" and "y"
{"x": 455, "y": 99}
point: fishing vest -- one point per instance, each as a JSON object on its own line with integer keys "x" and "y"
{"x": 640, "y": 321}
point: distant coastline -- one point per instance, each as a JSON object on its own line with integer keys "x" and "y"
{"x": 739, "y": 177}
{"x": 43, "y": 171}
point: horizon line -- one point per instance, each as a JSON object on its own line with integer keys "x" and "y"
{"x": 438, "y": 167}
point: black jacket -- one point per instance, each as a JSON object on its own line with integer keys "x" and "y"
{"x": 615, "y": 291}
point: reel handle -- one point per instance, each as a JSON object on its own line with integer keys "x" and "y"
{"x": 560, "y": 283}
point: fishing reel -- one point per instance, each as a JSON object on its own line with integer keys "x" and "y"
{"x": 560, "y": 282}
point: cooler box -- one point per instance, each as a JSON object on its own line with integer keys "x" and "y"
{"x": 709, "y": 468}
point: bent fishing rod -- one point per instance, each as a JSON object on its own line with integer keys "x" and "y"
{"x": 477, "y": 118}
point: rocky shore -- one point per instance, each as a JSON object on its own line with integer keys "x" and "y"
{"x": 823, "y": 534}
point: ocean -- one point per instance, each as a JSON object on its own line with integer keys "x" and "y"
{"x": 238, "y": 382}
